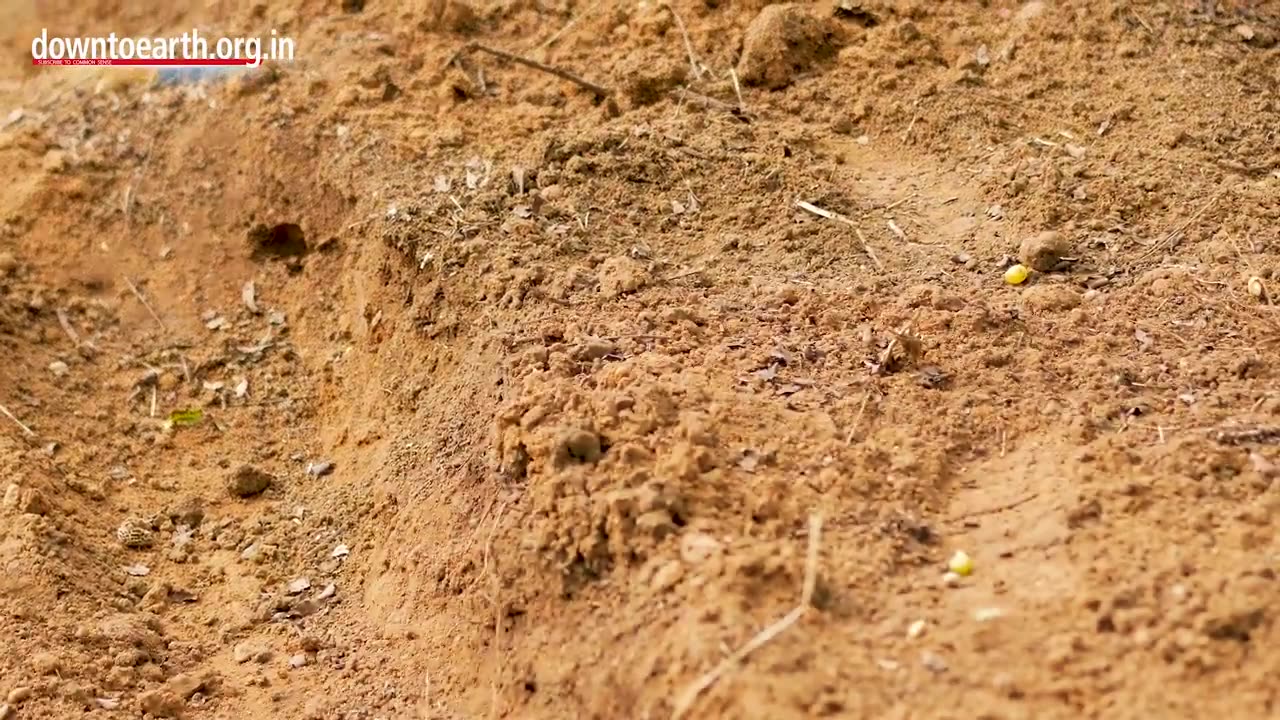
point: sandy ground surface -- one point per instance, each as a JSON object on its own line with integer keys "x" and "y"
{"x": 673, "y": 397}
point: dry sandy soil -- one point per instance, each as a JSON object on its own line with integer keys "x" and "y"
{"x": 520, "y": 399}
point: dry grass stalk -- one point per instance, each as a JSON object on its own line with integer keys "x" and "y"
{"x": 16, "y": 421}
{"x": 688, "y": 45}
{"x": 599, "y": 90}
{"x": 567, "y": 27}
{"x": 65, "y": 322}
{"x": 710, "y": 102}
{"x": 820, "y": 212}
{"x": 138, "y": 294}
{"x": 1168, "y": 238}
{"x": 498, "y": 610}
{"x": 737, "y": 90}
{"x": 691, "y": 694}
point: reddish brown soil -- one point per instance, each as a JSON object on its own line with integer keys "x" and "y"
{"x": 588, "y": 375}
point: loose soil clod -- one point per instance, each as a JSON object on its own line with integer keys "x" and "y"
{"x": 1042, "y": 252}
{"x": 247, "y": 481}
{"x": 783, "y": 41}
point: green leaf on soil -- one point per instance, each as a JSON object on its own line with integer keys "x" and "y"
{"x": 180, "y": 418}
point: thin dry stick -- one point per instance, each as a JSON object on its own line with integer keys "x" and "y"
{"x": 1181, "y": 228}
{"x": 820, "y": 212}
{"x": 497, "y": 612}
{"x": 684, "y": 274}
{"x": 615, "y": 338}
{"x": 691, "y": 694}
{"x": 914, "y": 117}
{"x": 1142, "y": 22}
{"x": 599, "y": 90}
{"x": 133, "y": 186}
{"x": 483, "y": 516}
{"x": 997, "y": 509}
{"x": 688, "y": 46}
{"x": 138, "y": 294}
{"x": 737, "y": 90}
{"x": 711, "y": 102}
{"x": 569, "y": 25}
{"x": 16, "y": 421}
{"x": 857, "y": 419}
{"x": 867, "y": 247}
{"x": 66, "y": 327}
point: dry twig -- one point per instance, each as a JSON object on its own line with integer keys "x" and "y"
{"x": 690, "y": 695}
{"x": 133, "y": 186}
{"x": 688, "y": 46}
{"x": 685, "y": 274}
{"x": 857, "y": 419}
{"x": 17, "y": 422}
{"x": 600, "y": 91}
{"x": 498, "y": 610}
{"x": 713, "y": 103}
{"x": 567, "y": 26}
{"x": 997, "y": 509}
{"x": 820, "y": 212}
{"x": 1168, "y": 238}
{"x": 737, "y": 90}
{"x": 138, "y": 294}
{"x": 67, "y": 328}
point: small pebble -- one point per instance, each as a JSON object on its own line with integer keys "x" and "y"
{"x": 300, "y": 585}
{"x": 1255, "y": 287}
{"x": 950, "y": 579}
{"x": 985, "y": 614}
{"x": 667, "y": 576}
{"x": 916, "y": 629}
{"x": 319, "y": 469}
{"x": 933, "y": 662}
{"x": 297, "y": 661}
{"x": 58, "y": 368}
{"x": 243, "y": 652}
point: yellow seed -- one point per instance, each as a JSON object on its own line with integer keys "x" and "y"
{"x": 961, "y": 564}
{"x": 1016, "y": 274}
{"x": 1256, "y": 288}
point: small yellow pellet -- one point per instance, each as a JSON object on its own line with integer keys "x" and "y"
{"x": 961, "y": 564}
{"x": 1016, "y": 274}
